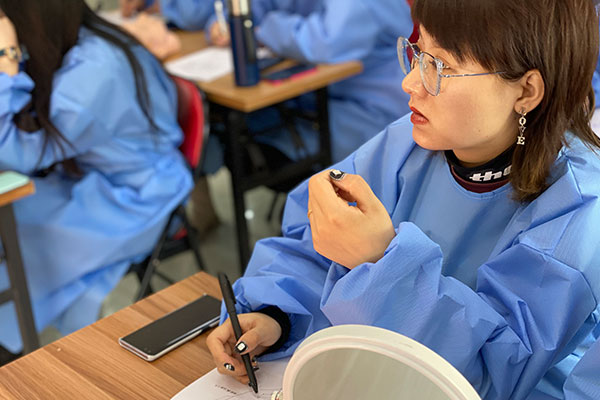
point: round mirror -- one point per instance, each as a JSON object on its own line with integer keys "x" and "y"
{"x": 356, "y": 362}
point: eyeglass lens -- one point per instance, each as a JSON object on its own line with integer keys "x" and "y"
{"x": 409, "y": 56}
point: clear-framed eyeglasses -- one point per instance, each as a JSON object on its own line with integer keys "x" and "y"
{"x": 431, "y": 68}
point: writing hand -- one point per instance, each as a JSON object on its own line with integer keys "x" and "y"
{"x": 260, "y": 332}
{"x": 218, "y": 37}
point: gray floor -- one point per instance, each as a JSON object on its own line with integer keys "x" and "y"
{"x": 218, "y": 248}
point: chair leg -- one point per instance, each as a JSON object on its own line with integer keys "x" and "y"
{"x": 191, "y": 237}
{"x": 153, "y": 262}
{"x": 272, "y": 207}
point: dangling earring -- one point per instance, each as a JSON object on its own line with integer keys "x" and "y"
{"x": 522, "y": 122}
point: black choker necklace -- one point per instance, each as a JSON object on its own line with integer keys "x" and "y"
{"x": 493, "y": 171}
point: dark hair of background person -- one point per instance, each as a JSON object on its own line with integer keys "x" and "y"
{"x": 48, "y": 29}
{"x": 557, "y": 37}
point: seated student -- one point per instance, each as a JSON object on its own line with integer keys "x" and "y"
{"x": 90, "y": 115}
{"x": 332, "y": 31}
{"x": 185, "y": 14}
{"x": 473, "y": 222}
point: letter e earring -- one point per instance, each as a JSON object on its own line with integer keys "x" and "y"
{"x": 522, "y": 122}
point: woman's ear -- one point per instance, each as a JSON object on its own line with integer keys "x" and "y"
{"x": 533, "y": 88}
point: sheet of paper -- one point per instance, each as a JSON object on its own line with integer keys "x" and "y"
{"x": 204, "y": 65}
{"x": 10, "y": 180}
{"x": 596, "y": 121}
{"x": 214, "y": 386}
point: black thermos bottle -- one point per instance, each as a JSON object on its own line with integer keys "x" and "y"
{"x": 243, "y": 43}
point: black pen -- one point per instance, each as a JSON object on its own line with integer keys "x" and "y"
{"x": 229, "y": 299}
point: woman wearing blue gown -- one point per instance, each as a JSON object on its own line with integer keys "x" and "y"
{"x": 185, "y": 14}
{"x": 90, "y": 115}
{"x": 470, "y": 225}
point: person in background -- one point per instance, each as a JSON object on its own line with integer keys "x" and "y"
{"x": 470, "y": 225}
{"x": 185, "y": 14}
{"x": 333, "y": 31}
{"x": 91, "y": 117}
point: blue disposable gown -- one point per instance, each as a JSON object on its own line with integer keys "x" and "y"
{"x": 78, "y": 236}
{"x": 584, "y": 381}
{"x": 186, "y": 14}
{"x": 501, "y": 290}
{"x": 333, "y": 31}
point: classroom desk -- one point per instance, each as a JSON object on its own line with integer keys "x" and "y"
{"x": 18, "y": 291}
{"x": 90, "y": 364}
{"x": 235, "y": 102}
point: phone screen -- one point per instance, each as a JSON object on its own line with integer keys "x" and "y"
{"x": 288, "y": 72}
{"x": 173, "y": 328}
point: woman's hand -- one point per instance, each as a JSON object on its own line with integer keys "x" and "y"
{"x": 218, "y": 36}
{"x": 130, "y": 7}
{"x": 348, "y": 235}
{"x": 8, "y": 39}
{"x": 260, "y": 332}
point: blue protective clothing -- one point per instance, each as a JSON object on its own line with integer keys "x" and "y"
{"x": 186, "y": 14}
{"x": 501, "y": 290}
{"x": 584, "y": 381}
{"x": 333, "y": 31}
{"x": 79, "y": 235}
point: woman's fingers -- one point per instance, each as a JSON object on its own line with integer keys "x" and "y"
{"x": 222, "y": 351}
{"x": 322, "y": 194}
{"x": 217, "y": 36}
{"x": 260, "y": 331}
{"x": 354, "y": 188}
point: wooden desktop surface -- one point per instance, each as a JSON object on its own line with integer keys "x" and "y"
{"x": 15, "y": 194}
{"x": 90, "y": 364}
{"x": 223, "y": 91}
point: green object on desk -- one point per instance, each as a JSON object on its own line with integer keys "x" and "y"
{"x": 10, "y": 180}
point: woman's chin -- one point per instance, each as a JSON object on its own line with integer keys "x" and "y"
{"x": 425, "y": 140}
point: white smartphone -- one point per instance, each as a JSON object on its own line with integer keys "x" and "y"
{"x": 173, "y": 329}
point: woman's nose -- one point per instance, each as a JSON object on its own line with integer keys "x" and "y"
{"x": 412, "y": 83}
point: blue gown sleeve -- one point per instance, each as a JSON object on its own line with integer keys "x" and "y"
{"x": 343, "y": 30}
{"x": 187, "y": 14}
{"x": 292, "y": 273}
{"x": 583, "y": 383}
{"x": 86, "y": 103}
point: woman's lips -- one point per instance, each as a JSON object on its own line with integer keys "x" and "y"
{"x": 417, "y": 118}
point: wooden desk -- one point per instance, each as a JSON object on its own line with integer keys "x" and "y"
{"x": 235, "y": 102}
{"x": 224, "y": 92}
{"x": 18, "y": 291}
{"x": 90, "y": 364}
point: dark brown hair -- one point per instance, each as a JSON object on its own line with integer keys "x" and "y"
{"x": 49, "y": 29}
{"x": 557, "y": 37}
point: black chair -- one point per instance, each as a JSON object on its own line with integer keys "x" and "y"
{"x": 193, "y": 119}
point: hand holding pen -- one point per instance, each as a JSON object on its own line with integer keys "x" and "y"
{"x": 259, "y": 332}
{"x": 219, "y": 31}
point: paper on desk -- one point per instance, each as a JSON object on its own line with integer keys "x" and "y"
{"x": 596, "y": 122}
{"x": 10, "y": 180}
{"x": 204, "y": 65}
{"x": 214, "y": 386}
